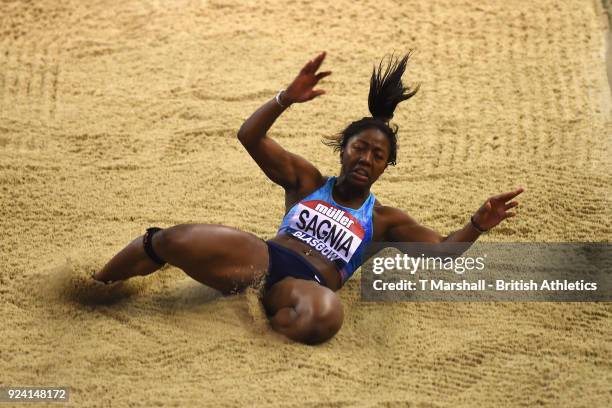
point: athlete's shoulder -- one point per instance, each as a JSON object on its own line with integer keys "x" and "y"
{"x": 294, "y": 197}
{"x": 382, "y": 212}
{"x": 313, "y": 186}
{"x": 386, "y": 217}
{"x": 389, "y": 213}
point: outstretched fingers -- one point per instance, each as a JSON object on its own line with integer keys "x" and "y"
{"x": 319, "y": 76}
{"x": 322, "y": 75}
{"x": 510, "y": 205}
{"x": 307, "y": 68}
{"x": 317, "y": 92}
{"x": 318, "y": 61}
{"x": 507, "y": 196}
{"x": 314, "y": 64}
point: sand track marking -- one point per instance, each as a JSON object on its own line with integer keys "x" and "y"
{"x": 29, "y": 76}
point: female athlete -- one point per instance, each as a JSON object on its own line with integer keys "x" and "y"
{"x": 328, "y": 220}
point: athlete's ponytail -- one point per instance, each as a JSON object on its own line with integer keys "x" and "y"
{"x": 386, "y": 92}
{"x": 387, "y": 89}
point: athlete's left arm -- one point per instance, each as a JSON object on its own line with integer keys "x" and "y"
{"x": 400, "y": 227}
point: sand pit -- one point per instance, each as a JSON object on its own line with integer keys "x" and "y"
{"x": 115, "y": 116}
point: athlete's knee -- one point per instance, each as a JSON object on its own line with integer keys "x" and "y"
{"x": 326, "y": 319}
{"x": 314, "y": 316}
{"x": 317, "y": 320}
{"x": 172, "y": 240}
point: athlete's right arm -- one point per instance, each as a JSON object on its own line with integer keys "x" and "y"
{"x": 286, "y": 169}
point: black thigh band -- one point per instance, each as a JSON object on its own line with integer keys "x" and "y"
{"x": 147, "y": 240}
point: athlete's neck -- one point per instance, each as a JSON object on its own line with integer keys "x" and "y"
{"x": 348, "y": 195}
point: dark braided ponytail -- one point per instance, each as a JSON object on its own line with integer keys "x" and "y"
{"x": 386, "y": 92}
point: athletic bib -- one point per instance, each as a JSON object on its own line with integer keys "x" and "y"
{"x": 336, "y": 232}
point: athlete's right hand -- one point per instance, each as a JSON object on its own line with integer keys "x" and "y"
{"x": 302, "y": 87}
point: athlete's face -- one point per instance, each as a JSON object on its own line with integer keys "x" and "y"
{"x": 365, "y": 156}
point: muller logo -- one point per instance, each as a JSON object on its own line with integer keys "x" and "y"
{"x": 330, "y": 230}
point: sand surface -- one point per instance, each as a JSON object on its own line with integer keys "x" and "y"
{"x": 116, "y": 116}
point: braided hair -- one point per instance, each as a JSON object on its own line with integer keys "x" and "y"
{"x": 386, "y": 92}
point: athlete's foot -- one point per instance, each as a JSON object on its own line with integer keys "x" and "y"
{"x": 93, "y": 276}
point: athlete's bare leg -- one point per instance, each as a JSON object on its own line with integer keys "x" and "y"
{"x": 229, "y": 260}
{"x": 130, "y": 261}
{"x": 221, "y": 257}
{"x": 303, "y": 310}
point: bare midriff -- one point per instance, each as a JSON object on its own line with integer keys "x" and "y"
{"x": 325, "y": 267}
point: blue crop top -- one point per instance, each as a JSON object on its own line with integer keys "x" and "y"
{"x": 336, "y": 232}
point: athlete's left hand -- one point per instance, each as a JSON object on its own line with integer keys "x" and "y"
{"x": 302, "y": 87}
{"x": 495, "y": 209}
